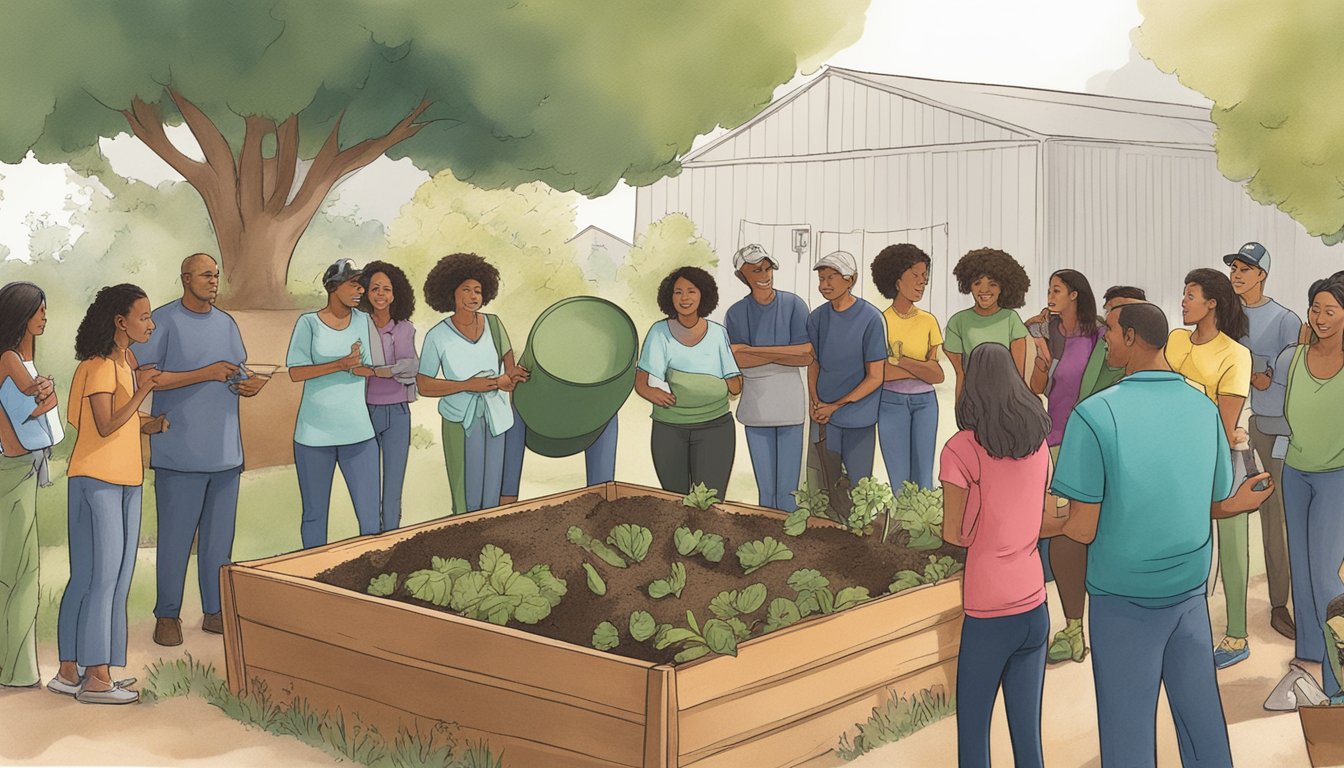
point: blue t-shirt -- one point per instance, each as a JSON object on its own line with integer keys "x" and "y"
{"x": 1273, "y": 328}
{"x": 203, "y": 434}
{"x": 332, "y": 411}
{"x": 844, "y": 343}
{"x": 1151, "y": 450}
{"x": 781, "y": 323}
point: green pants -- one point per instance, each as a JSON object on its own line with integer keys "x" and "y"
{"x": 18, "y": 571}
{"x": 475, "y": 462}
{"x": 1234, "y": 562}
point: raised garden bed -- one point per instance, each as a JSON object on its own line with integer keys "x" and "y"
{"x": 304, "y": 624}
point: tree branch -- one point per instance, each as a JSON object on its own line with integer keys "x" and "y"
{"x": 286, "y": 163}
{"x": 319, "y": 180}
{"x": 216, "y": 148}
{"x": 367, "y": 151}
{"x": 251, "y": 181}
{"x": 147, "y": 125}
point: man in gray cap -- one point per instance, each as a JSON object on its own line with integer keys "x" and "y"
{"x": 1273, "y": 327}
{"x": 768, "y": 333}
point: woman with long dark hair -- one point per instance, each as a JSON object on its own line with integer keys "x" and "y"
{"x": 29, "y": 426}
{"x": 1211, "y": 358}
{"x": 104, "y": 476}
{"x": 995, "y": 471}
{"x": 389, "y": 300}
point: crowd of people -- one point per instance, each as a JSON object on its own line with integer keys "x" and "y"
{"x": 1097, "y": 449}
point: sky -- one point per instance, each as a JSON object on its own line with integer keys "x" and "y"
{"x": 1058, "y": 44}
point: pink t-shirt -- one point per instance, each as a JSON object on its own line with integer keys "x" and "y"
{"x": 1001, "y": 526}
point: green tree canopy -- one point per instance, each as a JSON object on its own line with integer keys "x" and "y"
{"x": 576, "y": 94}
{"x": 666, "y": 244}
{"x": 1270, "y": 70}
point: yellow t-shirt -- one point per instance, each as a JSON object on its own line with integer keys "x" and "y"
{"x": 116, "y": 458}
{"x": 914, "y": 337}
{"x": 1219, "y": 366}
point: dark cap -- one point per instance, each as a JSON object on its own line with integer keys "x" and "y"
{"x": 1253, "y": 254}
{"x": 341, "y": 271}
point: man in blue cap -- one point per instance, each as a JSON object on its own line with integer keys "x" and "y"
{"x": 1273, "y": 327}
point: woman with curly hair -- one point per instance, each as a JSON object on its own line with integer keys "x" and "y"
{"x": 687, "y": 371}
{"x": 104, "y": 477}
{"x": 389, "y": 301}
{"x": 471, "y": 350}
{"x": 907, "y": 417}
{"x": 998, "y": 284}
{"x": 1211, "y": 359}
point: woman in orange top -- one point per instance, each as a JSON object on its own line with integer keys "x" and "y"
{"x": 104, "y": 478}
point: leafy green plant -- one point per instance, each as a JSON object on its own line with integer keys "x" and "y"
{"x": 937, "y": 569}
{"x": 383, "y": 584}
{"x": 700, "y": 497}
{"x": 495, "y": 593}
{"x": 606, "y": 636}
{"x": 813, "y": 595}
{"x": 672, "y": 585}
{"x": 919, "y": 512}
{"x": 716, "y": 636}
{"x": 812, "y": 502}
{"x": 871, "y": 497}
{"x": 707, "y": 545}
{"x": 732, "y": 602}
{"x": 642, "y": 626}
{"x": 632, "y": 540}
{"x": 597, "y": 547}
{"x": 596, "y": 584}
{"x": 756, "y": 554}
{"x": 897, "y": 718}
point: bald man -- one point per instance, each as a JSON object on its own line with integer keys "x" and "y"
{"x": 198, "y": 460}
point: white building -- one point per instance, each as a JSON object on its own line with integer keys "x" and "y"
{"x": 600, "y": 253}
{"x": 1126, "y": 191}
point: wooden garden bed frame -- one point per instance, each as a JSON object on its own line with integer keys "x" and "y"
{"x": 785, "y": 699}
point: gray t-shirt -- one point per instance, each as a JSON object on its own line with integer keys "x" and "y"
{"x": 203, "y": 434}
{"x": 1273, "y": 327}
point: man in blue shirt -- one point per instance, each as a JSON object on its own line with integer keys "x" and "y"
{"x": 198, "y": 461}
{"x": 849, "y": 339}
{"x": 1146, "y": 464}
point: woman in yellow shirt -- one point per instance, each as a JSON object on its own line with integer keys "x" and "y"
{"x": 1210, "y": 358}
{"x": 104, "y": 477}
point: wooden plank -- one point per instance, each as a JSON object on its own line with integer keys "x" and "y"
{"x": 435, "y": 695}
{"x": 818, "y": 732}
{"x": 398, "y": 630}
{"x": 661, "y": 725}
{"x": 234, "y": 663}
{"x": 723, "y": 721}
{"x": 787, "y": 651}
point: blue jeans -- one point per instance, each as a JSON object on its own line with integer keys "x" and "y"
{"x": 777, "y": 461}
{"x": 316, "y": 466}
{"x": 855, "y": 445}
{"x": 187, "y": 502}
{"x": 104, "y": 531}
{"x": 1313, "y": 506}
{"x": 1007, "y": 652}
{"x": 599, "y": 460}
{"x": 1135, "y": 649}
{"x": 392, "y": 430}
{"x": 907, "y": 426}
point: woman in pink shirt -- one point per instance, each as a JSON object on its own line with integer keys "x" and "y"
{"x": 995, "y": 471}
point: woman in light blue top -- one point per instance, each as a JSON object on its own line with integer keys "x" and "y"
{"x": 332, "y": 352}
{"x": 472, "y": 352}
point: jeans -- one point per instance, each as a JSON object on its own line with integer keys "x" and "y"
{"x": 316, "y": 466}
{"x": 907, "y": 427}
{"x": 1313, "y": 505}
{"x": 599, "y": 460}
{"x": 188, "y": 502}
{"x": 687, "y": 454}
{"x": 104, "y": 531}
{"x": 855, "y": 445}
{"x": 392, "y": 430}
{"x": 1136, "y": 649}
{"x": 776, "y": 460}
{"x": 475, "y": 462}
{"x": 1007, "y": 652}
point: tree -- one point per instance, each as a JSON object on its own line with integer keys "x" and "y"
{"x": 1271, "y": 79}
{"x": 668, "y": 243}
{"x": 575, "y": 94}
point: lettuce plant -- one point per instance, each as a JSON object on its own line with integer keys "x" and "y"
{"x": 383, "y": 584}
{"x": 672, "y": 585}
{"x": 632, "y": 540}
{"x": 642, "y": 626}
{"x": 700, "y": 497}
{"x": 812, "y": 502}
{"x": 707, "y": 545}
{"x": 871, "y": 497}
{"x": 731, "y": 603}
{"x": 597, "y": 547}
{"x": 919, "y": 512}
{"x": 495, "y": 592}
{"x": 756, "y": 554}
{"x": 813, "y": 595}
{"x": 937, "y": 569}
{"x": 596, "y": 584}
{"x": 716, "y": 636}
{"x": 606, "y": 636}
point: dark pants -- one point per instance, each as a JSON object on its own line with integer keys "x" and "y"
{"x": 1135, "y": 650}
{"x": 1273, "y": 528}
{"x": 1007, "y": 652}
{"x": 856, "y": 447}
{"x": 392, "y": 430}
{"x": 200, "y": 505}
{"x": 687, "y": 454}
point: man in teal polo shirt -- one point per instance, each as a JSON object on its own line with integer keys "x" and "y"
{"x": 1145, "y": 464}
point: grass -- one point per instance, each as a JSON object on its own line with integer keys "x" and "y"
{"x": 332, "y": 733}
{"x": 899, "y": 717}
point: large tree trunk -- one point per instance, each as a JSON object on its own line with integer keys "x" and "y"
{"x": 254, "y": 258}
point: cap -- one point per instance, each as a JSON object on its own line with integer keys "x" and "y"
{"x": 752, "y": 254}
{"x": 342, "y": 270}
{"x": 1253, "y": 254}
{"x": 841, "y": 261}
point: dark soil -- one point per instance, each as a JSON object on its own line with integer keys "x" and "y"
{"x": 538, "y": 537}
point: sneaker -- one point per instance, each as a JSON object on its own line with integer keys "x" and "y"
{"x": 168, "y": 631}
{"x": 58, "y": 685}
{"x": 1225, "y": 655}
{"x": 1281, "y": 621}
{"x": 115, "y": 695}
{"x": 213, "y": 623}
{"x": 1284, "y": 696}
{"x": 1067, "y": 645}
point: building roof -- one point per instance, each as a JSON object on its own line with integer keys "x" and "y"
{"x": 598, "y": 234}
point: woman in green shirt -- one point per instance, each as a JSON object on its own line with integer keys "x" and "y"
{"x": 998, "y": 284}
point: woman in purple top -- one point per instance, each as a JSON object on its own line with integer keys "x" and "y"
{"x": 1068, "y": 329}
{"x": 390, "y": 300}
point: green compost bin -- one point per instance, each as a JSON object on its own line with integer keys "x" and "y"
{"x": 582, "y": 353}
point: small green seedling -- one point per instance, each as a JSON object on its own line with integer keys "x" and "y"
{"x": 642, "y": 626}
{"x": 383, "y": 584}
{"x": 756, "y": 554}
{"x": 632, "y": 540}
{"x": 672, "y": 585}
{"x": 606, "y": 636}
{"x": 871, "y": 497}
{"x": 598, "y": 548}
{"x": 700, "y": 497}
{"x": 812, "y": 502}
{"x": 919, "y": 512}
{"x": 716, "y": 636}
{"x": 596, "y": 585}
{"x": 707, "y": 545}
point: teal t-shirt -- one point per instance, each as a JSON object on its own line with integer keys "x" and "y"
{"x": 332, "y": 410}
{"x": 695, "y": 374}
{"x": 967, "y": 330}
{"x": 1151, "y": 450}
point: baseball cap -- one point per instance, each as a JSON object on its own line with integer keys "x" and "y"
{"x": 1253, "y": 254}
{"x": 342, "y": 270}
{"x": 841, "y": 261}
{"x": 752, "y": 254}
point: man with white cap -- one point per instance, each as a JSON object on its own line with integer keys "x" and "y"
{"x": 768, "y": 333}
{"x": 849, "y": 341}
